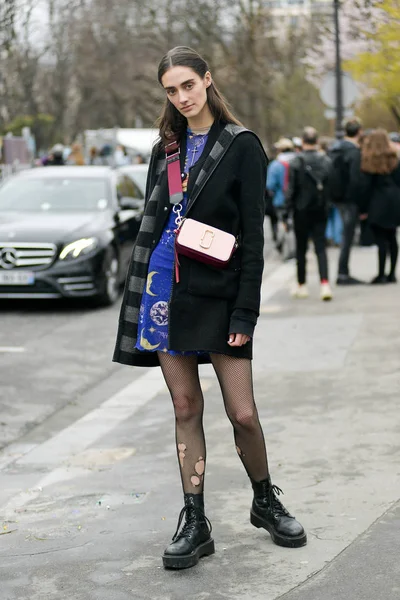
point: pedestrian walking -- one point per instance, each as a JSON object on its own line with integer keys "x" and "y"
{"x": 94, "y": 158}
{"x": 121, "y": 156}
{"x": 379, "y": 198}
{"x": 178, "y": 312}
{"x": 56, "y": 156}
{"x": 308, "y": 200}
{"x": 76, "y": 157}
{"x": 345, "y": 156}
{"x": 277, "y": 183}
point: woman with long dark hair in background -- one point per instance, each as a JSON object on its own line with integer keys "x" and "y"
{"x": 379, "y": 198}
{"x": 178, "y": 312}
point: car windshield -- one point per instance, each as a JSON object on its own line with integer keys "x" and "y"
{"x": 58, "y": 194}
{"x": 140, "y": 177}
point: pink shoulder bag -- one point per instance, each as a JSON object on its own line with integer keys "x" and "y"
{"x": 194, "y": 239}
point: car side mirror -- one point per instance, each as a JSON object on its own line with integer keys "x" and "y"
{"x": 129, "y": 203}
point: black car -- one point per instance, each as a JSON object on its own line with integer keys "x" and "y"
{"x": 66, "y": 232}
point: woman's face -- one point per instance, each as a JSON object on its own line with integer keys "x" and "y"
{"x": 186, "y": 90}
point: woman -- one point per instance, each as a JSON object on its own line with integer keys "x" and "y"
{"x": 94, "y": 158}
{"x": 210, "y": 314}
{"x": 76, "y": 157}
{"x": 379, "y": 193}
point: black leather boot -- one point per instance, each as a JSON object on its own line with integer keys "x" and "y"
{"x": 194, "y": 539}
{"x": 268, "y": 512}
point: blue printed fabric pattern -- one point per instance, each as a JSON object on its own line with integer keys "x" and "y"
{"x": 153, "y": 317}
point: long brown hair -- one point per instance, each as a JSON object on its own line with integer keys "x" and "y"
{"x": 378, "y": 155}
{"x": 171, "y": 123}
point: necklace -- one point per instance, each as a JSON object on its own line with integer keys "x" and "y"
{"x": 200, "y": 131}
{"x": 198, "y": 142}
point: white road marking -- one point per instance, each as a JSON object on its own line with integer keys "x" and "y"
{"x": 12, "y": 349}
{"x": 77, "y": 437}
{"x": 13, "y": 452}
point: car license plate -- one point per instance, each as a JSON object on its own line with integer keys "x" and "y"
{"x": 17, "y": 278}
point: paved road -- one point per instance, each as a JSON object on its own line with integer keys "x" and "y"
{"x": 89, "y": 489}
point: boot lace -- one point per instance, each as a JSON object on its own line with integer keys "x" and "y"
{"x": 190, "y": 513}
{"x": 276, "y": 505}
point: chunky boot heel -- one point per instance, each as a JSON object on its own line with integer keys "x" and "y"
{"x": 268, "y": 512}
{"x": 256, "y": 521}
{"x": 194, "y": 540}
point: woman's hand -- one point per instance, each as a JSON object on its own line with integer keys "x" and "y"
{"x": 238, "y": 339}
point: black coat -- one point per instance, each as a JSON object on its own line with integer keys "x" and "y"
{"x": 207, "y": 304}
{"x": 351, "y": 156}
{"x": 379, "y": 197}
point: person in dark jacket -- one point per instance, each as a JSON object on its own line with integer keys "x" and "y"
{"x": 308, "y": 201}
{"x": 209, "y": 314}
{"x": 347, "y": 153}
{"x": 379, "y": 198}
{"x": 56, "y": 158}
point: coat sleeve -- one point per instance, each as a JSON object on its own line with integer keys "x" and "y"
{"x": 251, "y": 186}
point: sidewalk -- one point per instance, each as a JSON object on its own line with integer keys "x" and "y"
{"x": 92, "y": 507}
{"x": 368, "y": 568}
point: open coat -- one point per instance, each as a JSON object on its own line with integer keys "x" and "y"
{"x": 226, "y": 190}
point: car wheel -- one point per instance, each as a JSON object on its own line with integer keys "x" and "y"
{"x": 111, "y": 279}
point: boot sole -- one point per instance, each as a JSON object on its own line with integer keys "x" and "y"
{"x": 278, "y": 538}
{"x": 184, "y": 561}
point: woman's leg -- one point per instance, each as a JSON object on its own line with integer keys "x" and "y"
{"x": 301, "y": 233}
{"x": 182, "y": 378}
{"x": 381, "y": 242}
{"x": 192, "y": 539}
{"x": 236, "y": 381}
{"x": 394, "y": 252}
{"x": 267, "y": 511}
{"x": 318, "y": 235}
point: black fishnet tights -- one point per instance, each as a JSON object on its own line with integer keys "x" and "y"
{"x": 235, "y": 378}
{"x": 181, "y": 375}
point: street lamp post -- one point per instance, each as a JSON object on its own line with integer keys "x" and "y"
{"x": 338, "y": 71}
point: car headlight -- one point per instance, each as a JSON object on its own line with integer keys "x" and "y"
{"x": 79, "y": 247}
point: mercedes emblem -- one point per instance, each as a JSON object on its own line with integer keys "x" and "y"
{"x": 8, "y": 258}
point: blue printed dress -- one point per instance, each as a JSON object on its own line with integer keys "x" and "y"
{"x": 153, "y": 318}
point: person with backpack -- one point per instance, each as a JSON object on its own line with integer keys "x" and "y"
{"x": 277, "y": 184}
{"x": 307, "y": 200}
{"x": 345, "y": 157}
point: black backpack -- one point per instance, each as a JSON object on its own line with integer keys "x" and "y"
{"x": 340, "y": 176}
{"x": 315, "y": 182}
